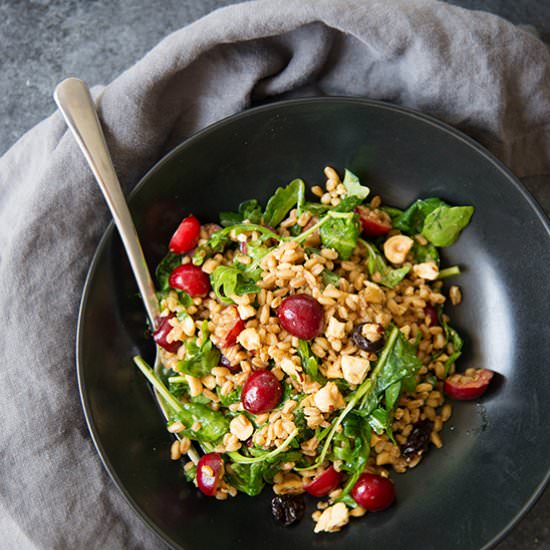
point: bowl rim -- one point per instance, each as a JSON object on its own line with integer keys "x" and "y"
{"x": 108, "y": 233}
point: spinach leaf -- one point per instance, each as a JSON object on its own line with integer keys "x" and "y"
{"x": 310, "y": 364}
{"x": 282, "y": 202}
{"x": 199, "y": 358}
{"x": 248, "y": 478}
{"x": 165, "y": 268}
{"x": 443, "y": 225}
{"x": 389, "y": 277}
{"x": 380, "y": 420}
{"x": 411, "y": 221}
{"x": 354, "y": 187}
{"x": 230, "y": 281}
{"x": 330, "y": 278}
{"x": 340, "y": 233}
{"x": 230, "y": 218}
{"x": 213, "y": 424}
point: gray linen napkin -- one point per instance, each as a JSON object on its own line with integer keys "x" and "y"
{"x": 471, "y": 69}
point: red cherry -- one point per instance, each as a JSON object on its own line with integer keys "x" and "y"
{"x": 374, "y": 493}
{"x": 186, "y": 235}
{"x": 261, "y": 392}
{"x": 374, "y": 222}
{"x": 190, "y": 278}
{"x": 302, "y": 316}
{"x": 431, "y": 313}
{"x": 464, "y": 387}
{"x": 210, "y": 470}
{"x": 161, "y": 332}
{"x": 324, "y": 483}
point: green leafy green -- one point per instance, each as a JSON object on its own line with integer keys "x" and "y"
{"x": 411, "y": 221}
{"x": 354, "y": 187}
{"x": 248, "y": 478}
{"x": 400, "y": 366}
{"x": 454, "y": 338}
{"x": 249, "y": 210}
{"x": 213, "y": 424}
{"x": 425, "y": 253}
{"x": 190, "y": 473}
{"x": 443, "y": 225}
{"x": 376, "y": 264}
{"x": 282, "y": 202}
{"x": 232, "y": 397}
{"x": 347, "y": 204}
{"x": 392, "y": 212}
{"x": 230, "y": 281}
{"x": 165, "y": 268}
{"x": 310, "y": 363}
{"x": 449, "y": 272}
{"x": 200, "y": 355}
{"x": 330, "y": 278}
{"x": 316, "y": 208}
{"x": 341, "y": 233}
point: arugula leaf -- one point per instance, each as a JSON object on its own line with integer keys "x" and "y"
{"x": 354, "y": 187}
{"x": 249, "y": 210}
{"x": 330, "y": 278}
{"x": 443, "y": 225}
{"x": 230, "y": 218}
{"x": 233, "y": 397}
{"x": 213, "y": 424}
{"x": 454, "y": 338}
{"x": 316, "y": 208}
{"x": 230, "y": 281}
{"x": 352, "y": 447}
{"x": 411, "y": 221}
{"x": 425, "y": 253}
{"x": 347, "y": 204}
{"x": 165, "y": 268}
{"x": 376, "y": 264}
{"x": 392, "y": 212}
{"x": 400, "y": 365}
{"x": 282, "y": 202}
{"x": 341, "y": 233}
{"x": 190, "y": 473}
{"x": 310, "y": 364}
{"x": 199, "y": 359}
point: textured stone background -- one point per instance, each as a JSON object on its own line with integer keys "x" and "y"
{"x": 42, "y": 42}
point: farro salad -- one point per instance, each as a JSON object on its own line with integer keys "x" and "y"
{"x": 304, "y": 345}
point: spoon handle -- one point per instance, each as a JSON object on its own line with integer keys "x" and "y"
{"x": 75, "y": 103}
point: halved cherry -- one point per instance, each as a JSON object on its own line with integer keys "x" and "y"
{"x": 374, "y": 493}
{"x": 186, "y": 235}
{"x": 469, "y": 385}
{"x": 261, "y": 392}
{"x": 324, "y": 483}
{"x": 210, "y": 470}
{"x": 235, "y": 324}
{"x": 191, "y": 279}
{"x": 431, "y": 313}
{"x": 301, "y": 315}
{"x": 161, "y": 332}
{"x": 374, "y": 222}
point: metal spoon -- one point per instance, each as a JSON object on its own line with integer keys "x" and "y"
{"x": 78, "y": 109}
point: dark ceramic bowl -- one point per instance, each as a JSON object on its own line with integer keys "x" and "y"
{"x": 495, "y": 458}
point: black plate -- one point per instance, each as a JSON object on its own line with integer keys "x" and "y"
{"x": 495, "y": 459}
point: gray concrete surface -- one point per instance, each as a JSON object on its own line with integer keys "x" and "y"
{"x": 42, "y": 42}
